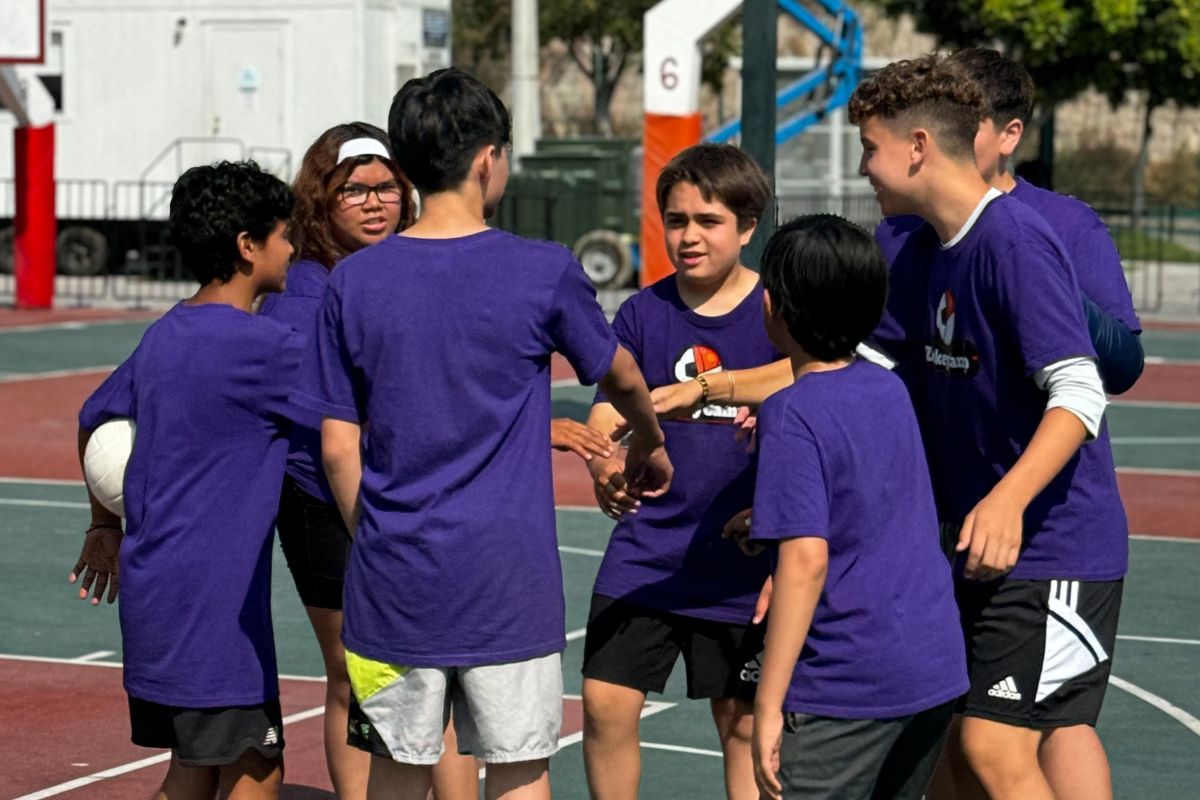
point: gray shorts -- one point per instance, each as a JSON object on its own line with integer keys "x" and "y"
{"x": 503, "y": 713}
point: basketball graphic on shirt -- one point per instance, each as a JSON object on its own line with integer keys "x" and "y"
{"x": 945, "y": 317}
{"x": 699, "y": 359}
{"x": 696, "y": 360}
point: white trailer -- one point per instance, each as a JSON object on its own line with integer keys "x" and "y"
{"x": 144, "y": 89}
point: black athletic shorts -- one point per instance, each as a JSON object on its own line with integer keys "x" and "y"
{"x": 822, "y": 758}
{"x": 1038, "y": 652}
{"x": 635, "y": 646}
{"x": 208, "y": 737}
{"x": 316, "y": 545}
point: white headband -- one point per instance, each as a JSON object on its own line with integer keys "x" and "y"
{"x": 365, "y": 146}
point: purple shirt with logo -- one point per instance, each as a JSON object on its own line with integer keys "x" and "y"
{"x": 840, "y": 459}
{"x": 670, "y": 555}
{"x": 979, "y": 318}
{"x": 299, "y": 307}
{"x": 442, "y": 346}
{"x": 1089, "y": 245}
{"x": 208, "y": 388}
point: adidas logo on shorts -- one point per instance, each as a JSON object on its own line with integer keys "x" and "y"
{"x": 1005, "y": 690}
{"x": 272, "y": 737}
{"x": 751, "y": 671}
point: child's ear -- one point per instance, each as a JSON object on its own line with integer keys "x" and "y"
{"x": 247, "y": 247}
{"x": 744, "y": 236}
{"x": 1011, "y": 137}
{"x": 918, "y": 146}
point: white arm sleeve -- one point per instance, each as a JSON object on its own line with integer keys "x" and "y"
{"x": 869, "y": 353}
{"x": 1074, "y": 384}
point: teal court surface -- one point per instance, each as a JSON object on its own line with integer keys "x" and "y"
{"x": 63, "y": 720}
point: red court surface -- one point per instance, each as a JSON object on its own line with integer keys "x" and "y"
{"x": 1167, "y": 383}
{"x": 51, "y": 737}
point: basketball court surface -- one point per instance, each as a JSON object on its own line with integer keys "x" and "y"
{"x": 64, "y": 729}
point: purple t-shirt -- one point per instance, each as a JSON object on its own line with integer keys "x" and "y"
{"x": 299, "y": 307}
{"x": 980, "y": 318}
{"x": 208, "y": 388}
{"x": 1090, "y": 246}
{"x": 670, "y": 555}
{"x": 443, "y": 347}
{"x": 840, "y": 459}
{"x": 1087, "y": 242}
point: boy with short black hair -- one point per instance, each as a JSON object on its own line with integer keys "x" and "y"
{"x": 864, "y": 655}
{"x": 207, "y": 388}
{"x": 669, "y": 583}
{"x": 1011, "y": 407}
{"x": 440, "y": 338}
{"x": 1112, "y": 322}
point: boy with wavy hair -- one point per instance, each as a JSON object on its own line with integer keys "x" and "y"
{"x": 984, "y": 308}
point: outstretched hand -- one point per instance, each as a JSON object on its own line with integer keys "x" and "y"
{"x": 568, "y": 435}
{"x": 648, "y": 470}
{"x": 98, "y": 565}
{"x": 677, "y": 400}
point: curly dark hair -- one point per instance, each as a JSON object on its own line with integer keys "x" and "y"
{"x": 1007, "y": 87}
{"x": 930, "y": 91}
{"x": 721, "y": 171}
{"x": 213, "y": 204}
{"x": 828, "y": 281}
{"x": 316, "y": 187}
{"x": 438, "y": 124}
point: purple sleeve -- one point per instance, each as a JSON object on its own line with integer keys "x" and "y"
{"x": 1100, "y": 274}
{"x": 113, "y": 398}
{"x": 333, "y": 384}
{"x": 578, "y": 328}
{"x": 791, "y": 498}
{"x": 624, "y": 327}
{"x": 1039, "y": 304}
{"x": 282, "y": 378}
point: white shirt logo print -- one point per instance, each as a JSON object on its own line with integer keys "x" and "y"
{"x": 1005, "y": 689}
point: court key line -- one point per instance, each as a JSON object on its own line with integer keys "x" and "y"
{"x": 18, "y": 377}
{"x": 134, "y": 766}
{"x": 1165, "y": 706}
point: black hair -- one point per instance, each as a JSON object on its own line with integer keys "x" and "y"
{"x": 437, "y": 124}
{"x": 721, "y": 171}
{"x": 211, "y": 205}
{"x": 828, "y": 282}
{"x": 1007, "y": 86}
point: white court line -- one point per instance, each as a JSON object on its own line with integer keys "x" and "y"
{"x": 676, "y": 748}
{"x": 1168, "y": 404}
{"x": 73, "y": 325}
{"x": 1147, "y": 538}
{"x": 1167, "y": 473}
{"x": 580, "y": 551}
{"x": 14, "y": 501}
{"x": 1160, "y": 640}
{"x": 77, "y": 662}
{"x": 651, "y": 708}
{"x": 589, "y": 509}
{"x": 42, "y": 481}
{"x": 1168, "y": 708}
{"x": 134, "y": 766}
{"x": 96, "y": 656}
{"x": 578, "y": 633}
{"x": 563, "y": 383}
{"x": 1163, "y": 361}
{"x": 17, "y": 377}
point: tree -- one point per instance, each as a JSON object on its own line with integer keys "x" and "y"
{"x": 1115, "y": 46}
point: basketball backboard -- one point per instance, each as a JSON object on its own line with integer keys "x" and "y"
{"x": 22, "y": 34}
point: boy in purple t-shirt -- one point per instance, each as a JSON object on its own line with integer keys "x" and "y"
{"x": 984, "y": 304}
{"x": 864, "y": 654}
{"x": 207, "y": 387}
{"x": 440, "y": 339}
{"x": 669, "y": 583}
{"x": 1112, "y": 322}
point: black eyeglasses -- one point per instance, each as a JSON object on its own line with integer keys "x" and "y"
{"x": 356, "y": 194}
